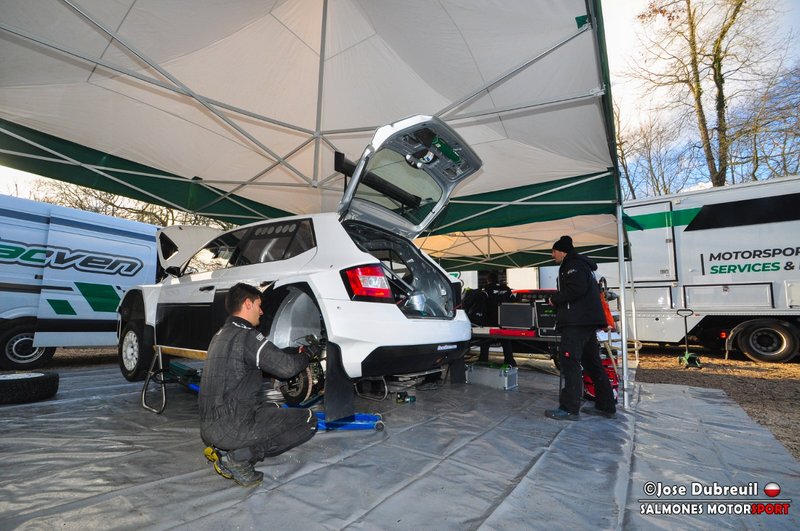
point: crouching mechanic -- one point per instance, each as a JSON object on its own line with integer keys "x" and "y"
{"x": 239, "y": 428}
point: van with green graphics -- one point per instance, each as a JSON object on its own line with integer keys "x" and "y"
{"x": 63, "y": 273}
{"x": 731, "y": 255}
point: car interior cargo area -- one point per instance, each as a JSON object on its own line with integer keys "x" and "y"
{"x": 420, "y": 289}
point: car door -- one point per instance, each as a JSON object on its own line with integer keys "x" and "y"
{"x": 190, "y": 305}
{"x": 406, "y": 175}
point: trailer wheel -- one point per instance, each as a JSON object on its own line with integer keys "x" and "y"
{"x": 18, "y": 351}
{"x": 19, "y": 388}
{"x": 135, "y": 354}
{"x": 768, "y": 341}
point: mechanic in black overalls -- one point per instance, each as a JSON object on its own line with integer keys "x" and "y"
{"x": 579, "y": 314}
{"x": 497, "y": 293}
{"x": 239, "y": 428}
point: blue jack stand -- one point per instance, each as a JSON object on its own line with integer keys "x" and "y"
{"x": 357, "y": 421}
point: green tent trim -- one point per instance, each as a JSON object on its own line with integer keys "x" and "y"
{"x": 537, "y": 258}
{"x": 548, "y": 201}
{"x": 42, "y": 154}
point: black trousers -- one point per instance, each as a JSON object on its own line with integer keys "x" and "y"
{"x": 508, "y": 354}
{"x": 265, "y": 431}
{"x": 579, "y": 352}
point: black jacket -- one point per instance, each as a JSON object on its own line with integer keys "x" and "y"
{"x": 497, "y": 294}
{"x": 232, "y": 376}
{"x": 578, "y": 299}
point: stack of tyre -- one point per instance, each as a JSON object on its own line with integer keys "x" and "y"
{"x": 19, "y": 354}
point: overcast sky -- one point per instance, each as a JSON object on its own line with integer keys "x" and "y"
{"x": 620, "y": 20}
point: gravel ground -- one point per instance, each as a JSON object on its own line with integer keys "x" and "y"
{"x": 768, "y": 392}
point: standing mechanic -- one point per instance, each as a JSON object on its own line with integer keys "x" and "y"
{"x": 579, "y": 313}
{"x": 497, "y": 293}
{"x": 239, "y": 428}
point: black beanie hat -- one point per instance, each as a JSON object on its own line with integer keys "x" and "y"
{"x": 564, "y": 244}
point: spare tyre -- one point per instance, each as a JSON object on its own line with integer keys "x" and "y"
{"x": 22, "y": 387}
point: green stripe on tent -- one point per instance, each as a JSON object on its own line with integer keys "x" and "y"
{"x": 660, "y": 220}
{"x": 189, "y": 194}
{"x": 101, "y": 297}
{"x": 464, "y": 215}
{"x": 539, "y": 258}
{"x": 61, "y": 307}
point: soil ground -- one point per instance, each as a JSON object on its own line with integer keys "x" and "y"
{"x": 768, "y": 392}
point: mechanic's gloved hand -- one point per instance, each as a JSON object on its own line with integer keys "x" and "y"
{"x": 312, "y": 350}
{"x": 290, "y": 350}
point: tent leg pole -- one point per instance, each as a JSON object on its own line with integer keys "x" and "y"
{"x": 623, "y": 311}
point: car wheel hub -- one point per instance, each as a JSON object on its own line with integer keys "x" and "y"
{"x": 21, "y": 350}
{"x": 130, "y": 351}
{"x": 765, "y": 341}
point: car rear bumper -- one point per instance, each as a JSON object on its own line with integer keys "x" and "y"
{"x": 402, "y": 359}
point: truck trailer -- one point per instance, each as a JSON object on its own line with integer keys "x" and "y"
{"x": 729, "y": 254}
{"x": 63, "y": 273}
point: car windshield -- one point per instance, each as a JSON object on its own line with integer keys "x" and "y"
{"x": 397, "y": 186}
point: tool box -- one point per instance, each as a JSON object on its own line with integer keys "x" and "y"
{"x": 498, "y": 376}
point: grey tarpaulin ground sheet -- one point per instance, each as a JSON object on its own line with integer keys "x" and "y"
{"x": 463, "y": 456}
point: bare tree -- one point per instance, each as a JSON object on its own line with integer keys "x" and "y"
{"x": 91, "y": 200}
{"x": 624, "y": 148}
{"x": 654, "y": 159}
{"x": 704, "y": 56}
{"x": 768, "y": 127}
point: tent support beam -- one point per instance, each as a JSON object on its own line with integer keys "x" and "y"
{"x": 75, "y": 162}
{"x": 320, "y": 86}
{"x": 623, "y": 311}
{"x": 254, "y": 179}
{"x": 503, "y": 77}
{"x": 523, "y": 199}
{"x": 591, "y": 95}
{"x": 197, "y": 97}
{"x": 145, "y": 79}
{"x": 60, "y": 158}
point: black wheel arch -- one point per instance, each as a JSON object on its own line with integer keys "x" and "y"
{"x": 132, "y": 307}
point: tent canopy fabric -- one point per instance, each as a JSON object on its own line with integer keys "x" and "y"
{"x": 234, "y": 110}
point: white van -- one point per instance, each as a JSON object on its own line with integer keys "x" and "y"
{"x": 63, "y": 273}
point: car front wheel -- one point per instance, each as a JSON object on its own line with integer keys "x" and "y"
{"x": 135, "y": 354}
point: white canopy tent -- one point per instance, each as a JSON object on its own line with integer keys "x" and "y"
{"x": 234, "y": 109}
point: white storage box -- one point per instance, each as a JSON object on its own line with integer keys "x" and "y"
{"x": 504, "y": 378}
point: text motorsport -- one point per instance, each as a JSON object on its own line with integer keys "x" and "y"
{"x": 711, "y": 499}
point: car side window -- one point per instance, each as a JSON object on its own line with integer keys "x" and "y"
{"x": 218, "y": 254}
{"x": 276, "y": 241}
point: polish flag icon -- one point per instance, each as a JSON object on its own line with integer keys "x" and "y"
{"x": 772, "y": 489}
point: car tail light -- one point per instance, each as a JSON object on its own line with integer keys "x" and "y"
{"x": 723, "y": 334}
{"x": 367, "y": 283}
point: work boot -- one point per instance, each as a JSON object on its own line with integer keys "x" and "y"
{"x": 242, "y": 472}
{"x": 213, "y": 455}
{"x": 591, "y": 410}
{"x": 561, "y": 414}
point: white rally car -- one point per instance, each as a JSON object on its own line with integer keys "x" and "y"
{"x": 352, "y": 282}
